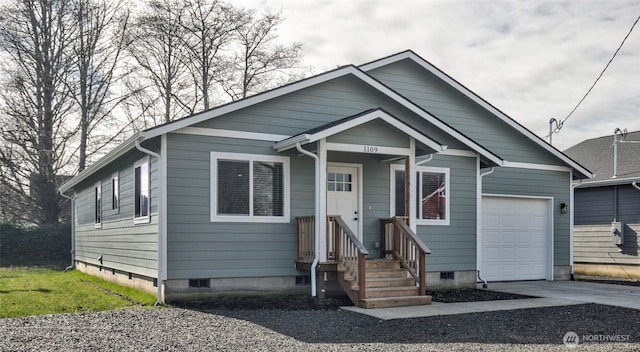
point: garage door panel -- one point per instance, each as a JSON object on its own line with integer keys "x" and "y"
{"x": 514, "y": 238}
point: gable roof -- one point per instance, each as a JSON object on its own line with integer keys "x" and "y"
{"x": 410, "y": 55}
{"x": 346, "y": 123}
{"x": 349, "y": 70}
{"x": 597, "y": 155}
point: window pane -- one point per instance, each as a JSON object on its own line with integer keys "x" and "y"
{"x": 141, "y": 190}
{"x": 399, "y": 196}
{"x": 433, "y": 196}
{"x": 233, "y": 187}
{"x": 115, "y": 193}
{"x": 98, "y": 204}
{"x": 268, "y": 192}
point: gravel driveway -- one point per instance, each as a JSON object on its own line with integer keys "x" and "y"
{"x": 177, "y": 329}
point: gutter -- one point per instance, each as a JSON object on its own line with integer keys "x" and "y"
{"x": 73, "y": 231}
{"x": 316, "y": 251}
{"x": 159, "y": 298}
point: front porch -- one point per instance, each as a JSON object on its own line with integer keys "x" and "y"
{"x": 396, "y": 279}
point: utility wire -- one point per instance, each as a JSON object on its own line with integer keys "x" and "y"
{"x": 561, "y": 123}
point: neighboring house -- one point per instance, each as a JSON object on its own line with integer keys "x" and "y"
{"x": 609, "y": 201}
{"x": 226, "y": 200}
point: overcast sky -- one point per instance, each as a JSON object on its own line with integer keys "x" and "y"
{"x": 534, "y": 60}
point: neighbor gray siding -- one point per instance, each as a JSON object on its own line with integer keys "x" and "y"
{"x": 538, "y": 183}
{"x": 123, "y": 245}
{"x": 199, "y": 248}
{"x": 432, "y": 94}
{"x": 595, "y": 209}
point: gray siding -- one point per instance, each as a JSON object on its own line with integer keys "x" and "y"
{"x": 595, "y": 209}
{"x": 124, "y": 246}
{"x": 538, "y": 183}
{"x": 318, "y": 105}
{"x": 432, "y": 94}
{"x": 453, "y": 247}
{"x": 376, "y": 132}
{"x": 199, "y": 248}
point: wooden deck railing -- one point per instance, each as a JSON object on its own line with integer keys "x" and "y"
{"x": 410, "y": 251}
{"x": 351, "y": 256}
{"x": 306, "y": 240}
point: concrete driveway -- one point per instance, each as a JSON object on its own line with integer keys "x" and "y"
{"x": 576, "y": 291}
{"x": 551, "y": 293}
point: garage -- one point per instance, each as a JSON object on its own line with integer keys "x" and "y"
{"x": 516, "y": 238}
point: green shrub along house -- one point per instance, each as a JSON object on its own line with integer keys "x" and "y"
{"x": 379, "y": 180}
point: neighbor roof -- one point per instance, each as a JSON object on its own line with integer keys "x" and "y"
{"x": 597, "y": 155}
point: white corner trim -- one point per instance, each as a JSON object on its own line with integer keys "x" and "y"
{"x": 212, "y": 132}
{"x": 517, "y": 165}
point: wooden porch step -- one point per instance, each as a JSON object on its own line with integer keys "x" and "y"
{"x": 386, "y": 302}
{"x": 385, "y": 282}
{"x": 396, "y": 291}
{"x": 373, "y": 264}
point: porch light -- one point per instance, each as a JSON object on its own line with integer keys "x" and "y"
{"x": 563, "y": 208}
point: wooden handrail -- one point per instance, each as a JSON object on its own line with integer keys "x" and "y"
{"x": 350, "y": 254}
{"x": 410, "y": 251}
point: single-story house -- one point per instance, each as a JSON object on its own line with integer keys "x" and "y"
{"x": 607, "y": 207}
{"x": 311, "y": 182}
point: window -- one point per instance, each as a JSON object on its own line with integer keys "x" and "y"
{"x": 338, "y": 182}
{"x": 141, "y": 191}
{"x": 249, "y": 187}
{"x": 97, "y": 196}
{"x": 432, "y": 194}
{"x": 115, "y": 192}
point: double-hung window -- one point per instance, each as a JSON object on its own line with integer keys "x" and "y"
{"x": 253, "y": 188}
{"x": 432, "y": 194}
{"x": 97, "y": 197}
{"x": 141, "y": 194}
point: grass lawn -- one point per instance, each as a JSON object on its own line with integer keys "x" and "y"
{"x": 36, "y": 291}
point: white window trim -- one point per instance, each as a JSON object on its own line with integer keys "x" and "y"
{"x": 115, "y": 176}
{"x": 142, "y": 219}
{"x": 392, "y": 202}
{"x": 98, "y": 186}
{"x": 215, "y": 156}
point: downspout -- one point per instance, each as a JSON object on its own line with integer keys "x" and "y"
{"x": 159, "y": 299}
{"x": 73, "y": 231}
{"x": 635, "y": 185}
{"x": 428, "y": 159}
{"x": 316, "y": 258}
{"x": 485, "y": 284}
{"x": 572, "y": 197}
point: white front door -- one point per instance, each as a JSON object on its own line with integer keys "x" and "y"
{"x": 342, "y": 194}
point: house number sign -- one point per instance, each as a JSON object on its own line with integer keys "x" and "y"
{"x": 370, "y": 149}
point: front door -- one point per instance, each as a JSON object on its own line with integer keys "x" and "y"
{"x": 342, "y": 194}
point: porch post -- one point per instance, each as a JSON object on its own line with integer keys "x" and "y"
{"x": 410, "y": 176}
{"x": 407, "y": 188}
{"x": 322, "y": 202}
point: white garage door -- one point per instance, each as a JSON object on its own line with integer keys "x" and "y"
{"x": 515, "y": 234}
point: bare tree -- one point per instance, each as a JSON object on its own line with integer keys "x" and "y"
{"x": 97, "y": 50}
{"x": 259, "y": 61}
{"x": 35, "y": 37}
{"x": 158, "y": 49}
{"x": 209, "y": 28}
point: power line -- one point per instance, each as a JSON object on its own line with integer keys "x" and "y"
{"x": 561, "y": 123}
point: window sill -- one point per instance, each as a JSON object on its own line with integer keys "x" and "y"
{"x": 251, "y": 219}
{"x": 433, "y": 222}
{"x": 142, "y": 220}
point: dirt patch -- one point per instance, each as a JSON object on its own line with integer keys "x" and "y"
{"x": 298, "y": 302}
{"x": 472, "y": 295}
